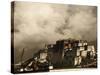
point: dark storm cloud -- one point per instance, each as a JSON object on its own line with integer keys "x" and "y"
{"x": 40, "y": 23}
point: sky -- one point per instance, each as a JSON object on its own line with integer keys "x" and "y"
{"x": 37, "y": 24}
